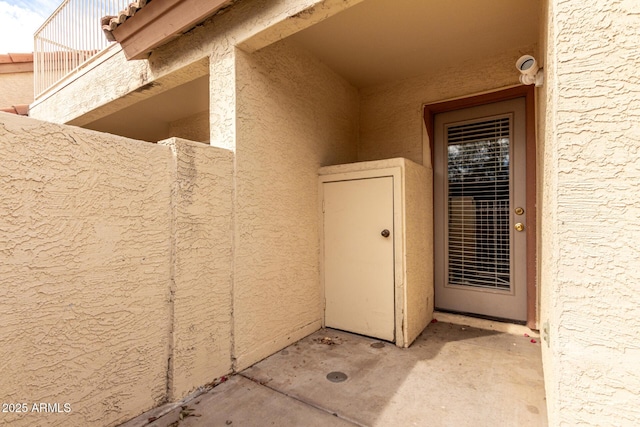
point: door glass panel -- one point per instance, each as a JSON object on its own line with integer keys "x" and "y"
{"x": 478, "y": 204}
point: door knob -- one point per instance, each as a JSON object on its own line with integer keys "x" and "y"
{"x": 385, "y": 233}
{"x": 519, "y": 226}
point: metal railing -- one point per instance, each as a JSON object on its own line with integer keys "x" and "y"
{"x": 69, "y": 38}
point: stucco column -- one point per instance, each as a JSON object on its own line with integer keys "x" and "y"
{"x": 222, "y": 87}
{"x": 201, "y": 266}
{"x": 591, "y": 215}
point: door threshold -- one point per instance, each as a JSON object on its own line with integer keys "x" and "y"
{"x": 474, "y": 321}
{"x": 331, "y": 328}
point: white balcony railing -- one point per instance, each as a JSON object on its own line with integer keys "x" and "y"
{"x": 69, "y": 38}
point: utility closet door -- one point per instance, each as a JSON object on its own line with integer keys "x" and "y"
{"x": 358, "y": 256}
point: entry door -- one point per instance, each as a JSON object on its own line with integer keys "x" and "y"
{"x": 479, "y": 166}
{"x": 358, "y": 256}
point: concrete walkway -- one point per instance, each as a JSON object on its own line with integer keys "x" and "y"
{"x": 454, "y": 374}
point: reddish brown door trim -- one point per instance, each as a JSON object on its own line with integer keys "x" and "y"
{"x": 516, "y": 92}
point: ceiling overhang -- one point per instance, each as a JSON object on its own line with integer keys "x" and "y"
{"x": 380, "y": 41}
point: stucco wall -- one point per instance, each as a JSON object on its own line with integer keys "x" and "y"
{"x": 392, "y": 114}
{"x": 201, "y": 277}
{"x": 84, "y": 274}
{"x": 546, "y": 203}
{"x": 418, "y": 225}
{"x": 591, "y": 218}
{"x": 252, "y": 24}
{"x": 294, "y": 115}
{"x": 194, "y": 128}
{"x": 116, "y": 271}
{"x": 16, "y": 88}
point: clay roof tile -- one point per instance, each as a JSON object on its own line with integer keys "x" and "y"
{"x": 21, "y": 109}
{"x": 14, "y": 58}
{"x": 110, "y": 23}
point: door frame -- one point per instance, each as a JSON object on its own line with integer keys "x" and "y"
{"x": 526, "y": 92}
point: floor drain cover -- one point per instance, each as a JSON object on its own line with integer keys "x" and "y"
{"x": 336, "y": 377}
{"x": 377, "y": 345}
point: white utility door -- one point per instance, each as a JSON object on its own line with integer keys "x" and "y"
{"x": 358, "y": 256}
{"x": 480, "y": 218}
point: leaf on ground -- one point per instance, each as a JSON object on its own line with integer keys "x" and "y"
{"x": 187, "y": 412}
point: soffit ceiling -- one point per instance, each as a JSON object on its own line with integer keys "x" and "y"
{"x": 379, "y": 41}
{"x": 373, "y": 42}
{"x": 149, "y": 120}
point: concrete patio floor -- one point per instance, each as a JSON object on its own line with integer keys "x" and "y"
{"x": 459, "y": 372}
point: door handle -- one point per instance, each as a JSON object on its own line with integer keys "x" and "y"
{"x": 385, "y": 233}
{"x": 519, "y": 226}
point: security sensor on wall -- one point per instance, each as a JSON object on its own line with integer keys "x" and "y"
{"x": 529, "y": 70}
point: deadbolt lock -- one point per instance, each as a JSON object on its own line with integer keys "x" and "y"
{"x": 519, "y": 211}
{"x": 519, "y": 226}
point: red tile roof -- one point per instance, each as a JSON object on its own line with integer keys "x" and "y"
{"x": 21, "y": 109}
{"x": 15, "y": 58}
{"x": 110, "y": 23}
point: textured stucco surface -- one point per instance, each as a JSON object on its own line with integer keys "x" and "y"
{"x": 16, "y": 88}
{"x": 591, "y": 213}
{"x": 193, "y": 128}
{"x": 285, "y": 115}
{"x": 392, "y": 121}
{"x": 123, "y": 83}
{"x": 116, "y": 271}
{"x": 201, "y": 286}
{"x": 84, "y": 274}
{"x": 115, "y": 78}
{"x": 294, "y": 115}
{"x": 547, "y": 192}
{"x": 418, "y": 226}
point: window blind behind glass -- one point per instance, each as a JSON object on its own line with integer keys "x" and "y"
{"x": 478, "y": 204}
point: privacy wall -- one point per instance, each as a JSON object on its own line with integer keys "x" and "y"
{"x": 202, "y": 195}
{"x": 102, "y": 316}
{"x": 591, "y": 214}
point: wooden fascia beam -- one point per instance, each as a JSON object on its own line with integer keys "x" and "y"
{"x": 159, "y": 22}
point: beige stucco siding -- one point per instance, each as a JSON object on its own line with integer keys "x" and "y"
{"x": 418, "y": 252}
{"x": 294, "y": 115}
{"x": 547, "y": 206}
{"x": 16, "y": 88}
{"x": 122, "y": 83}
{"x": 193, "y": 128}
{"x": 591, "y": 219}
{"x": 85, "y": 272}
{"x": 116, "y": 271}
{"x": 201, "y": 285}
{"x": 392, "y": 120}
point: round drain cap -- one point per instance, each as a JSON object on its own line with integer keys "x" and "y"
{"x": 377, "y": 345}
{"x": 337, "y": 377}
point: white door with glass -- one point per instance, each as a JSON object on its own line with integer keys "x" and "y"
{"x": 479, "y": 188}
